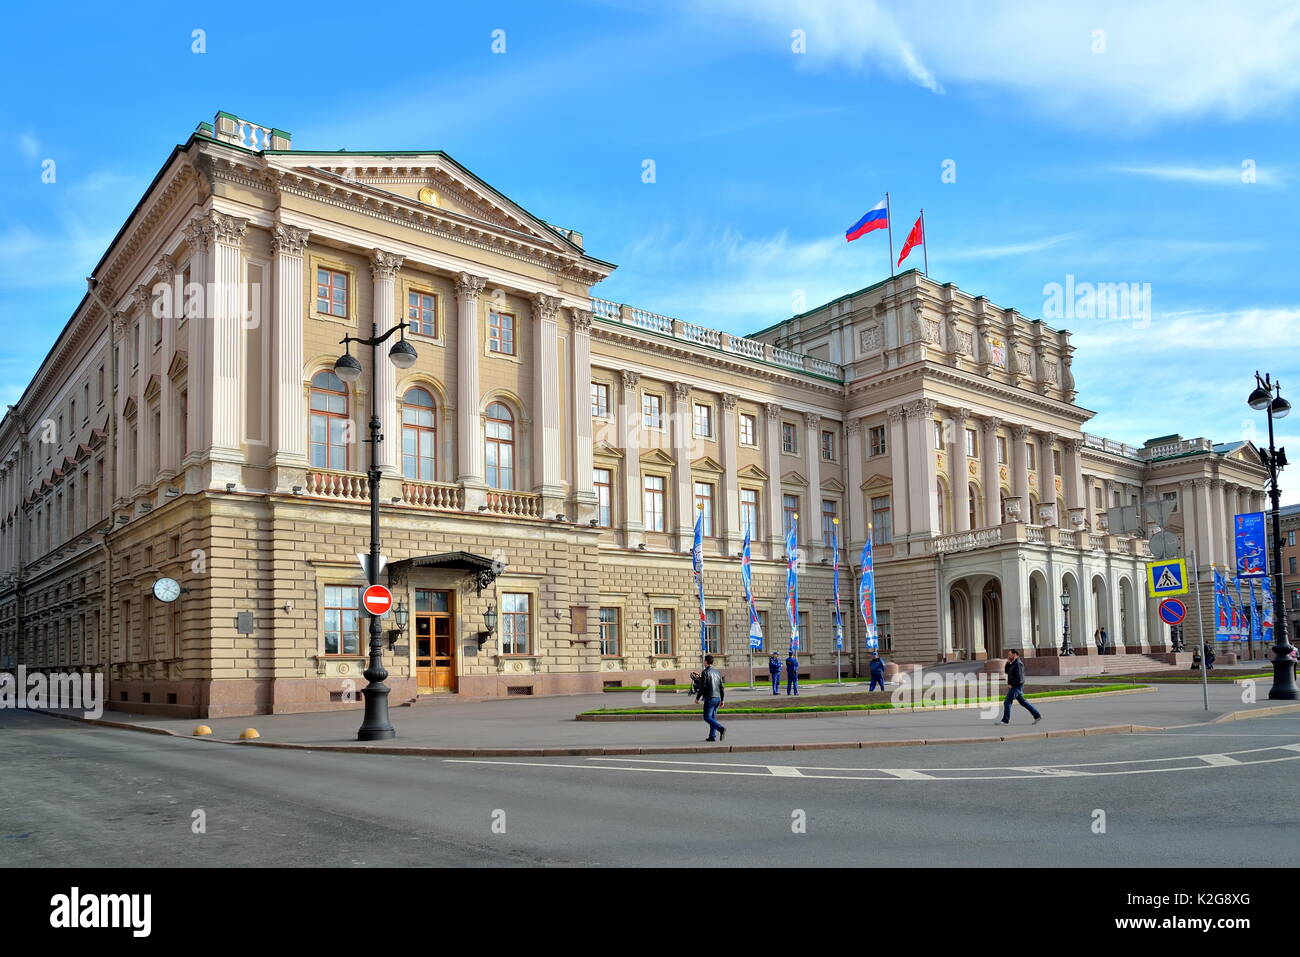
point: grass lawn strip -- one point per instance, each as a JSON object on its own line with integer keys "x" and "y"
{"x": 758, "y": 685}
{"x": 1158, "y": 676}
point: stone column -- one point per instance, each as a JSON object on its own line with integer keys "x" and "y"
{"x": 1219, "y": 524}
{"x": 582, "y": 496}
{"x": 168, "y": 400}
{"x": 923, "y": 520}
{"x": 1020, "y": 473}
{"x": 198, "y": 234}
{"x": 855, "y": 503}
{"x": 629, "y": 427}
{"x": 992, "y": 481}
{"x": 731, "y": 536}
{"x": 685, "y": 491}
{"x": 901, "y": 494}
{"x": 1205, "y": 552}
{"x": 383, "y": 270}
{"x": 144, "y": 437}
{"x": 812, "y": 522}
{"x": 289, "y": 424}
{"x": 1076, "y": 495}
{"x": 469, "y": 426}
{"x": 1047, "y": 472}
{"x": 226, "y": 341}
{"x": 772, "y": 447}
{"x": 1187, "y": 496}
{"x": 960, "y": 472}
{"x": 548, "y": 443}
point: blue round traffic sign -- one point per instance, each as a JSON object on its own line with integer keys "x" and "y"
{"x": 1172, "y": 611}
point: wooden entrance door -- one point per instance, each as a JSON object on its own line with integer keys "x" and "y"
{"x": 435, "y": 645}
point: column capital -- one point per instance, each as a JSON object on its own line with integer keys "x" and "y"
{"x": 581, "y": 320}
{"x": 1049, "y": 439}
{"x": 773, "y": 410}
{"x": 728, "y": 401}
{"x": 469, "y": 288}
{"x": 812, "y": 419}
{"x": 197, "y": 233}
{"x": 897, "y": 413}
{"x": 992, "y": 423}
{"x": 546, "y": 307}
{"x": 681, "y": 391}
{"x": 1074, "y": 446}
{"x": 853, "y": 426}
{"x": 1023, "y": 432}
{"x": 228, "y": 230}
{"x": 289, "y": 240}
{"x": 1216, "y": 483}
{"x": 630, "y": 378}
{"x": 960, "y": 415}
{"x": 922, "y": 408}
{"x": 385, "y": 265}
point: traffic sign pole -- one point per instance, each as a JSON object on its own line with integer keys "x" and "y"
{"x": 1200, "y": 627}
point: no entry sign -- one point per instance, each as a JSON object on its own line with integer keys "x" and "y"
{"x": 1172, "y": 611}
{"x": 377, "y": 600}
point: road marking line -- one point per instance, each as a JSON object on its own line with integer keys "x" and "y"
{"x": 906, "y": 774}
{"x": 782, "y": 771}
{"x": 1218, "y": 760}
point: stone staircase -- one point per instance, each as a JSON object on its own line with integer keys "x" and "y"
{"x": 1127, "y": 664}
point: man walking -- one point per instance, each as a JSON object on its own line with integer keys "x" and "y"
{"x": 877, "y": 672}
{"x": 712, "y": 691}
{"x": 792, "y": 674}
{"x": 1104, "y": 639}
{"x": 774, "y": 669}
{"x": 1015, "y": 670}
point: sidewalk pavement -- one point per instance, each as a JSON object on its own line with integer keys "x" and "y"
{"x": 532, "y": 725}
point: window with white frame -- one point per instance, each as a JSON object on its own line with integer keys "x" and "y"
{"x": 331, "y": 292}
{"x": 789, "y": 511}
{"x": 704, "y": 505}
{"x": 828, "y": 446}
{"x": 516, "y": 623}
{"x": 884, "y": 631}
{"x": 342, "y": 620}
{"x": 703, "y": 415}
{"x": 972, "y": 444}
{"x": 712, "y": 631}
{"x": 749, "y": 511}
{"x": 882, "y": 520}
{"x": 1002, "y": 449}
{"x": 600, "y": 400}
{"x": 789, "y": 438}
{"x": 830, "y": 512}
{"x": 603, "y": 483}
{"x": 501, "y": 333}
{"x": 877, "y": 443}
{"x": 609, "y": 622}
{"x": 653, "y": 500}
{"x": 662, "y": 623}
{"x": 748, "y": 429}
{"x": 652, "y": 410}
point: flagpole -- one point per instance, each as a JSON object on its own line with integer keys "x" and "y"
{"x": 889, "y": 225}
{"x": 925, "y": 244}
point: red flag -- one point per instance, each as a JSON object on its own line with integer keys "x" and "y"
{"x": 915, "y": 238}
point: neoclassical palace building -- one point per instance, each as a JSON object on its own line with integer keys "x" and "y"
{"x": 544, "y": 458}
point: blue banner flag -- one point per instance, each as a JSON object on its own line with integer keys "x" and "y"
{"x": 1266, "y": 626}
{"x": 867, "y": 594}
{"x": 1222, "y": 619}
{"x": 839, "y": 618}
{"x": 1239, "y": 616}
{"x": 792, "y": 579}
{"x": 747, "y": 577}
{"x": 1256, "y": 625}
{"x": 697, "y": 563}
{"x": 1250, "y": 539}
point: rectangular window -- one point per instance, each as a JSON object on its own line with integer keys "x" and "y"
{"x": 712, "y": 631}
{"x": 603, "y": 482}
{"x": 1002, "y": 450}
{"x": 516, "y": 623}
{"x": 652, "y": 410}
{"x": 1291, "y": 566}
{"x": 501, "y": 333}
{"x": 609, "y": 632}
{"x": 789, "y": 438}
{"x": 882, "y": 520}
{"x": 331, "y": 292}
{"x": 342, "y": 620}
{"x": 704, "y": 421}
{"x": 662, "y": 619}
{"x": 828, "y": 446}
{"x": 877, "y": 443}
{"x": 938, "y": 435}
{"x": 704, "y": 504}
{"x": 653, "y": 487}
{"x": 1031, "y": 456}
{"x": 829, "y": 514}
{"x": 422, "y": 312}
{"x": 1170, "y": 497}
{"x": 748, "y": 429}
{"x": 100, "y": 385}
{"x": 789, "y": 509}
{"x": 749, "y": 511}
{"x": 600, "y": 400}
{"x": 1056, "y": 461}
{"x": 135, "y": 345}
{"x": 972, "y": 446}
{"x": 1290, "y": 537}
{"x": 884, "y": 631}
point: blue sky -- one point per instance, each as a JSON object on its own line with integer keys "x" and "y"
{"x": 1088, "y": 140}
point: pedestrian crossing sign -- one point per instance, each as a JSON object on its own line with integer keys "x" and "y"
{"x": 1167, "y": 577}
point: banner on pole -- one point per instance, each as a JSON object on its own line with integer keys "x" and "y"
{"x": 1250, "y": 539}
{"x": 792, "y": 579}
{"x": 747, "y": 578}
{"x": 839, "y": 618}
{"x": 697, "y": 564}
{"x": 867, "y": 594}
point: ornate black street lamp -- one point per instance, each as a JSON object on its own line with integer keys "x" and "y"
{"x": 1066, "y": 650}
{"x": 1268, "y": 397}
{"x": 375, "y": 726}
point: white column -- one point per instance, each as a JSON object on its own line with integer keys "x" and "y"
{"x": 924, "y": 518}
{"x": 1219, "y": 523}
{"x": 141, "y": 334}
{"x": 169, "y": 451}
{"x": 582, "y": 494}
{"x": 1020, "y": 473}
{"x": 383, "y": 270}
{"x": 288, "y": 403}
{"x": 198, "y": 235}
{"x": 226, "y": 339}
{"x": 1076, "y": 495}
{"x": 855, "y": 503}
{"x": 629, "y": 427}
{"x": 685, "y": 493}
{"x": 960, "y": 472}
{"x": 469, "y": 425}
{"x": 730, "y": 534}
{"x": 1205, "y": 552}
{"x": 548, "y": 443}
{"x": 811, "y": 523}
{"x": 1047, "y": 474}
{"x": 992, "y": 483}
{"x": 901, "y": 493}
{"x": 772, "y": 446}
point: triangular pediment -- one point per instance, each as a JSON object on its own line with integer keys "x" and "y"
{"x": 153, "y": 387}
{"x": 752, "y": 472}
{"x": 706, "y": 463}
{"x": 180, "y": 362}
{"x": 794, "y": 478}
{"x": 657, "y": 457}
{"x": 603, "y": 449}
{"x": 876, "y": 482}
{"x": 832, "y": 485}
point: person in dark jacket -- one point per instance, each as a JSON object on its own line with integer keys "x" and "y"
{"x": 791, "y": 674}
{"x": 713, "y": 692}
{"x": 1015, "y": 670}
{"x": 877, "y": 672}
{"x": 1209, "y": 658}
{"x": 774, "y": 669}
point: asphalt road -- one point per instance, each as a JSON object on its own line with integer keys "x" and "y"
{"x": 75, "y": 795}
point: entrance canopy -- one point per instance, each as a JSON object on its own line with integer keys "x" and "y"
{"x": 484, "y": 570}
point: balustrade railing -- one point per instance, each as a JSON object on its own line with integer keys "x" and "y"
{"x": 348, "y": 486}
{"x": 519, "y": 504}
{"x": 433, "y": 495}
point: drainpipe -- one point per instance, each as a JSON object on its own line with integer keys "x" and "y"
{"x": 110, "y": 472}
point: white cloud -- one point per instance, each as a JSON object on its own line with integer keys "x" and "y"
{"x": 28, "y": 146}
{"x": 1162, "y": 59}
{"x": 1210, "y": 175}
{"x": 1009, "y": 249}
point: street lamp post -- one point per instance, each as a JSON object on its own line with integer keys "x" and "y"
{"x": 375, "y": 725}
{"x": 1066, "y": 650}
{"x": 1267, "y": 397}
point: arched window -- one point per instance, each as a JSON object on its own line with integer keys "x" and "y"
{"x": 943, "y": 524}
{"x": 419, "y": 436}
{"x": 329, "y": 418}
{"x": 974, "y": 494}
{"x": 500, "y": 446}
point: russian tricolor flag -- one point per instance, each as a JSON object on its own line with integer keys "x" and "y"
{"x": 877, "y": 218}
